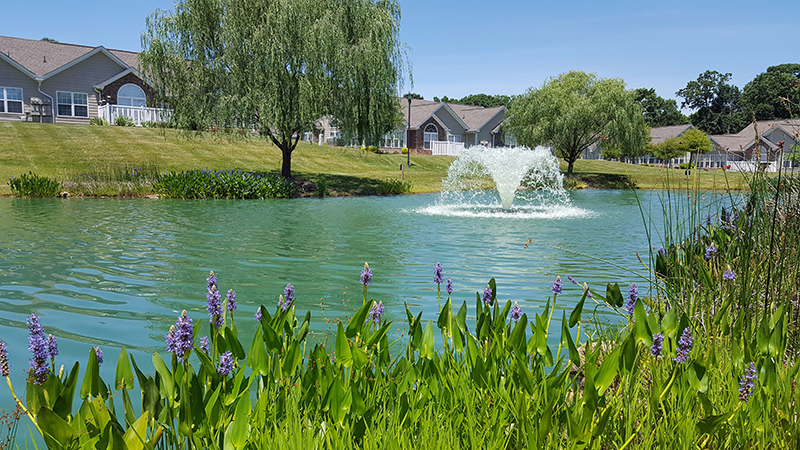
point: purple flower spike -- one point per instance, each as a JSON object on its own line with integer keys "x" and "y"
{"x": 284, "y": 304}
{"x": 684, "y": 346}
{"x": 5, "y": 367}
{"x": 99, "y": 354}
{"x": 662, "y": 251}
{"x": 211, "y": 281}
{"x": 487, "y": 295}
{"x": 747, "y": 383}
{"x": 709, "y": 219}
{"x": 37, "y": 345}
{"x": 633, "y": 295}
{"x": 225, "y": 364}
{"x": 181, "y": 336}
{"x": 366, "y": 275}
{"x": 658, "y": 343}
{"x": 449, "y": 286}
{"x": 516, "y": 312}
{"x": 438, "y": 275}
{"x": 52, "y": 346}
{"x": 728, "y": 275}
{"x": 257, "y": 315}
{"x": 710, "y": 251}
{"x": 231, "y": 298}
{"x": 557, "y": 285}
{"x": 204, "y": 344}
{"x": 571, "y": 279}
{"x": 214, "y": 306}
{"x": 375, "y": 313}
{"x": 288, "y": 293}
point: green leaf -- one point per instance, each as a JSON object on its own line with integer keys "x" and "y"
{"x": 697, "y": 377}
{"x": 357, "y": 322}
{"x": 167, "y": 384}
{"x": 57, "y": 432}
{"x": 136, "y": 434}
{"x": 711, "y": 424}
{"x": 232, "y": 338}
{"x": 641, "y": 328}
{"x": 445, "y": 316}
{"x": 63, "y": 406}
{"x": 291, "y": 358}
{"x": 257, "y": 358}
{"x": 124, "y": 374}
{"x": 461, "y": 318}
{"x": 518, "y": 338}
{"x": 669, "y": 324}
{"x": 91, "y": 385}
{"x": 238, "y": 431}
{"x": 378, "y": 335}
{"x": 427, "y": 349}
{"x": 493, "y": 287}
{"x": 575, "y": 315}
{"x": 608, "y": 371}
{"x": 568, "y": 342}
{"x": 343, "y": 355}
{"x": 613, "y": 295}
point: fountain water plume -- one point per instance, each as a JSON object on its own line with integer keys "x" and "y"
{"x": 535, "y": 171}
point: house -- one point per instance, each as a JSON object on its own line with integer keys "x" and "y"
{"x": 762, "y": 145}
{"x": 76, "y": 82}
{"x": 437, "y": 128}
{"x": 657, "y": 135}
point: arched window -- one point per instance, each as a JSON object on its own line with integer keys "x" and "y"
{"x": 431, "y": 134}
{"x": 131, "y": 95}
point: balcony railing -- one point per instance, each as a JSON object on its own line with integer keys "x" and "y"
{"x": 446, "y": 148}
{"x": 137, "y": 114}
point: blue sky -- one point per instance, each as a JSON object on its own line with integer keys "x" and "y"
{"x": 505, "y": 47}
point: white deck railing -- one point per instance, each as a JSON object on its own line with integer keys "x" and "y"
{"x": 446, "y": 148}
{"x": 137, "y": 114}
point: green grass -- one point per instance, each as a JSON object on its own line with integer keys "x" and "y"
{"x": 61, "y": 151}
{"x": 65, "y": 151}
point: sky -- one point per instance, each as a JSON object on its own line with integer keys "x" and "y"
{"x": 457, "y": 48}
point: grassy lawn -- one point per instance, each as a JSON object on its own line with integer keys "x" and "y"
{"x": 66, "y": 151}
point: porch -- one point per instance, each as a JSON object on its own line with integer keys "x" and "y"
{"x": 138, "y": 114}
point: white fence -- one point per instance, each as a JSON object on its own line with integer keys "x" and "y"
{"x": 137, "y": 114}
{"x": 752, "y": 166}
{"x": 446, "y": 148}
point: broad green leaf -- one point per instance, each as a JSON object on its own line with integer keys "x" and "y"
{"x": 91, "y": 385}
{"x": 357, "y": 321}
{"x": 575, "y": 315}
{"x": 291, "y": 358}
{"x": 461, "y": 318}
{"x": 238, "y": 431}
{"x": 712, "y": 424}
{"x": 232, "y": 338}
{"x": 613, "y": 295}
{"x": 698, "y": 380}
{"x": 493, "y": 287}
{"x": 518, "y": 338}
{"x": 57, "y": 432}
{"x": 271, "y": 337}
{"x": 257, "y": 358}
{"x": 427, "y": 349}
{"x": 641, "y": 328}
{"x": 63, "y": 406}
{"x": 360, "y": 358}
{"x": 166, "y": 377}
{"x": 378, "y": 334}
{"x": 568, "y": 342}
{"x": 608, "y": 371}
{"x": 343, "y": 355}
{"x": 669, "y": 324}
{"x": 445, "y": 315}
{"x": 124, "y": 374}
{"x": 136, "y": 434}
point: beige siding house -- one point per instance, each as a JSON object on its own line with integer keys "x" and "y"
{"x": 64, "y": 83}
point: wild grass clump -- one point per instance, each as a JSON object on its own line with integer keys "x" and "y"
{"x": 127, "y": 180}
{"x": 32, "y": 185}
{"x": 393, "y": 187}
{"x": 234, "y": 184}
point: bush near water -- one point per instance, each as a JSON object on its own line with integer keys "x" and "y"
{"x": 705, "y": 358}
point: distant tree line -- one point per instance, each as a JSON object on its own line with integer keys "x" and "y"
{"x": 485, "y": 100}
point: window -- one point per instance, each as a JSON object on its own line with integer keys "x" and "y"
{"x": 394, "y": 139}
{"x": 73, "y": 104}
{"x": 131, "y": 95}
{"x": 431, "y": 135}
{"x": 10, "y": 100}
{"x": 454, "y": 138}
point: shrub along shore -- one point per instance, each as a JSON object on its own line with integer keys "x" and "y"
{"x": 100, "y": 161}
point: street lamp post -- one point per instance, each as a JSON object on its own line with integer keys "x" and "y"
{"x": 408, "y": 130}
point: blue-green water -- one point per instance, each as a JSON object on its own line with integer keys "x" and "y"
{"x": 115, "y": 273}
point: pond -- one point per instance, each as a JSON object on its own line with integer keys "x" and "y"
{"x": 114, "y": 272}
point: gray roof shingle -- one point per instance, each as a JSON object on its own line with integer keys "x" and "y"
{"x": 42, "y": 57}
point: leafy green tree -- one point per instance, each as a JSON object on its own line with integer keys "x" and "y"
{"x": 574, "y": 110}
{"x": 277, "y": 66}
{"x": 658, "y": 112}
{"x": 693, "y": 141}
{"x": 716, "y": 102}
{"x": 770, "y": 93}
{"x": 485, "y": 100}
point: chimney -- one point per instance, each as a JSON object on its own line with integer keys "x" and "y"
{"x": 45, "y": 59}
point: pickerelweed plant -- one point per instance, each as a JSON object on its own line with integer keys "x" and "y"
{"x": 223, "y": 184}
{"x": 498, "y": 379}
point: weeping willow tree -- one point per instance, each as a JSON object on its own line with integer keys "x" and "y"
{"x": 277, "y": 66}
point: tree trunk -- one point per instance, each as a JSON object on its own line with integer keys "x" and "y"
{"x": 569, "y": 167}
{"x": 286, "y": 167}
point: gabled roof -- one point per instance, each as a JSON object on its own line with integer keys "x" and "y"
{"x": 43, "y": 59}
{"x": 746, "y": 138}
{"x": 475, "y": 116}
{"x": 661, "y": 134}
